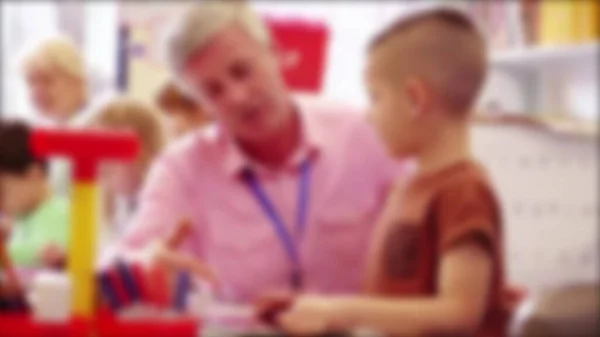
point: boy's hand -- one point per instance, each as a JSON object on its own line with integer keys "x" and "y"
{"x": 52, "y": 256}
{"x": 5, "y": 229}
{"x": 310, "y": 315}
{"x": 269, "y": 307}
{"x": 10, "y": 286}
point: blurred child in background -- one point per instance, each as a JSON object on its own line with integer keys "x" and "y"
{"x": 437, "y": 267}
{"x": 39, "y": 231}
{"x": 123, "y": 181}
{"x": 183, "y": 113}
{"x": 11, "y": 293}
{"x": 55, "y": 73}
{"x": 62, "y": 92}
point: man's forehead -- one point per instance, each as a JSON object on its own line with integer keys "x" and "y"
{"x": 224, "y": 43}
{"x": 41, "y": 68}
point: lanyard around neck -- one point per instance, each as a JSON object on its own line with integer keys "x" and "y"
{"x": 286, "y": 239}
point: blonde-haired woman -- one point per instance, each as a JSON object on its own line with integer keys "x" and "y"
{"x": 58, "y": 84}
{"x": 57, "y": 80}
{"x": 122, "y": 181}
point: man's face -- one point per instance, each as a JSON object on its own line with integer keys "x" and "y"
{"x": 19, "y": 191}
{"x": 52, "y": 92}
{"x": 239, "y": 80}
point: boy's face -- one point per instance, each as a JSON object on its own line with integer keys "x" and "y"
{"x": 181, "y": 121}
{"x": 403, "y": 105}
{"x": 120, "y": 178}
{"x": 20, "y": 191}
{"x": 390, "y": 112}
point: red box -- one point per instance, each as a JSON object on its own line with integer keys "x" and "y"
{"x": 303, "y": 51}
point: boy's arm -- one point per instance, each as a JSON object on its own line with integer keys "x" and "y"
{"x": 464, "y": 281}
{"x": 467, "y": 227}
{"x": 23, "y": 253}
{"x": 59, "y": 233}
{"x": 53, "y": 236}
{"x": 9, "y": 282}
{"x": 458, "y": 309}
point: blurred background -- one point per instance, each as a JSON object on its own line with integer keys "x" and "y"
{"x": 536, "y": 127}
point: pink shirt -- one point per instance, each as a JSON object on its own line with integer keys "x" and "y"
{"x": 199, "y": 178}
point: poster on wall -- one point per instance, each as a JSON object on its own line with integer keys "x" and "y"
{"x": 302, "y": 47}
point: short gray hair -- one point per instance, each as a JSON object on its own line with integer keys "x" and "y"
{"x": 202, "y": 20}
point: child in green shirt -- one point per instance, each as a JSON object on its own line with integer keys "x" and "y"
{"x": 40, "y": 219}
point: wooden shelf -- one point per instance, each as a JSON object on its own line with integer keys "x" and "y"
{"x": 546, "y": 58}
{"x": 557, "y": 126}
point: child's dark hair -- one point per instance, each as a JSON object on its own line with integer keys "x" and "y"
{"x": 15, "y": 154}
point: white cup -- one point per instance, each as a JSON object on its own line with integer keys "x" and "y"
{"x": 50, "y": 296}
{"x": 199, "y": 300}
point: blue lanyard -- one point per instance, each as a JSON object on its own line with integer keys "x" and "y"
{"x": 278, "y": 226}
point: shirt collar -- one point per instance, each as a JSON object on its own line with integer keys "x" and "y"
{"x": 312, "y": 143}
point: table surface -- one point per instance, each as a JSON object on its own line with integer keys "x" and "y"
{"x": 220, "y": 332}
{"x": 226, "y": 320}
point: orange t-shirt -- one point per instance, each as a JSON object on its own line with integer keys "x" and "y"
{"x": 437, "y": 212}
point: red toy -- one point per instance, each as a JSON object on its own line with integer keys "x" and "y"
{"x": 87, "y": 149}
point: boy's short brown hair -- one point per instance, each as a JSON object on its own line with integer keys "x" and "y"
{"x": 15, "y": 155}
{"x": 170, "y": 96}
{"x": 141, "y": 118}
{"x": 442, "y": 45}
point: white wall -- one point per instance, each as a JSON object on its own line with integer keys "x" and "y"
{"x": 23, "y": 23}
{"x": 559, "y": 89}
{"x": 547, "y": 185}
{"x": 26, "y": 23}
{"x": 100, "y": 42}
{"x": 353, "y": 23}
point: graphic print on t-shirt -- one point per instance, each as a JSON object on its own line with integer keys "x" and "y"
{"x": 402, "y": 250}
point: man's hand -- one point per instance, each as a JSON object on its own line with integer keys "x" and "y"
{"x": 309, "y": 316}
{"x": 163, "y": 255}
{"x": 154, "y": 271}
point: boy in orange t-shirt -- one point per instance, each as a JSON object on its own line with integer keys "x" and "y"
{"x": 437, "y": 268}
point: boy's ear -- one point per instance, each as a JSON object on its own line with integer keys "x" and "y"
{"x": 418, "y": 95}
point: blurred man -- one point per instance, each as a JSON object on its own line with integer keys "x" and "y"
{"x": 40, "y": 231}
{"x": 283, "y": 194}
